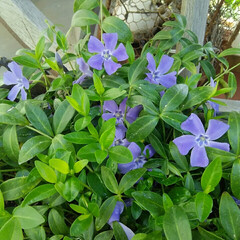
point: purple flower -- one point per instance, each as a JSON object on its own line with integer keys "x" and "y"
{"x": 116, "y": 217}
{"x": 200, "y": 139}
{"x": 120, "y": 137}
{"x": 139, "y": 159}
{"x": 15, "y": 77}
{"x": 237, "y": 201}
{"x": 105, "y": 53}
{"x": 84, "y": 68}
{"x": 159, "y": 76}
{"x": 215, "y": 106}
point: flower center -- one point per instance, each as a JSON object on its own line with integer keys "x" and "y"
{"x": 106, "y": 55}
{"x": 118, "y": 115}
{"x": 155, "y": 75}
{"x": 19, "y": 82}
{"x": 140, "y": 160}
{"x": 118, "y": 142}
{"x": 202, "y": 140}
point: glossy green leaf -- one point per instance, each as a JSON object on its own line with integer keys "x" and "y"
{"x": 38, "y": 118}
{"x": 1, "y": 202}
{"x": 208, "y": 68}
{"x": 39, "y": 193}
{"x": 71, "y": 188}
{"x": 98, "y": 84}
{"x": 211, "y": 176}
{"x": 176, "y": 225}
{"x": 115, "y": 25}
{"x": 214, "y": 153}
{"x": 174, "y": 119}
{"x": 108, "y": 133}
{"x": 88, "y": 152}
{"x": 26, "y": 60}
{"x": 109, "y": 179}
{"x": 84, "y": 17}
{"x": 136, "y": 69}
{"x": 106, "y": 235}
{"x": 204, "y": 204}
{"x": 232, "y": 83}
{"x": 118, "y": 231}
{"x": 167, "y": 202}
{"x": 80, "y": 138}
{"x": 234, "y": 131}
{"x": 101, "y": 155}
{"x": 81, "y": 225}
{"x": 157, "y": 145}
{"x": 40, "y": 47}
{"x": 11, "y": 230}
{"x": 94, "y": 209}
{"x": 230, "y": 51}
{"x": 141, "y": 128}
{"x": 79, "y": 165}
{"x": 235, "y": 178}
{"x": 150, "y": 201}
{"x": 130, "y": 178}
{"x": 62, "y": 116}
{"x": 10, "y": 143}
{"x": 173, "y": 97}
{"x": 112, "y": 93}
{"x": 120, "y": 154}
{"x": 84, "y": 4}
{"x": 229, "y": 214}
{"x": 106, "y": 211}
{"x": 37, "y": 233}
{"x": 28, "y": 217}
{"x": 46, "y": 172}
{"x": 59, "y": 165}
{"x": 208, "y": 235}
{"x": 81, "y": 123}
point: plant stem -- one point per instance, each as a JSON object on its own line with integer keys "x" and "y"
{"x": 227, "y": 71}
{"x": 101, "y": 18}
{"x": 129, "y": 95}
{"x": 35, "y": 130}
{"x": 9, "y": 170}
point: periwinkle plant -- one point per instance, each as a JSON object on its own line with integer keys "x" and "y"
{"x": 104, "y": 135}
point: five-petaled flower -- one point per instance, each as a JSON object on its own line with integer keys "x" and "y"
{"x": 105, "y": 53}
{"x": 116, "y": 217}
{"x": 200, "y": 139}
{"x": 215, "y": 106}
{"x": 15, "y": 77}
{"x": 120, "y": 138}
{"x": 139, "y": 158}
{"x": 158, "y": 75}
{"x": 85, "y": 69}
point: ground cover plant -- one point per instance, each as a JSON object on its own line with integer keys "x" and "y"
{"x": 95, "y": 144}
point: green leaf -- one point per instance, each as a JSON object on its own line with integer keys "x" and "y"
{"x": 208, "y": 235}
{"x": 101, "y": 155}
{"x": 141, "y": 128}
{"x": 106, "y": 211}
{"x": 84, "y": 4}
{"x": 130, "y": 178}
{"x": 71, "y": 188}
{"x": 1, "y": 203}
{"x": 11, "y": 116}
{"x": 235, "y": 178}
{"x": 211, "y": 176}
{"x": 109, "y": 180}
{"x": 234, "y": 131}
{"x": 108, "y": 134}
{"x": 229, "y": 214}
{"x": 37, "y": 233}
{"x": 59, "y": 165}
{"x": 232, "y": 83}
{"x": 193, "y": 80}
{"x": 81, "y": 123}
{"x": 32, "y": 147}
{"x": 115, "y": 25}
{"x": 136, "y": 69}
{"x": 79, "y": 165}
{"x": 80, "y": 138}
{"x": 223, "y": 155}
{"x": 11, "y": 230}
{"x": 173, "y": 97}
{"x": 120, "y": 154}
{"x": 28, "y": 217}
{"x": 39, "y": 193}
{"x": 162, "y": 35}
{"x": 98, "y": 84}
{"x": 107, "y": 235}
{"x": 10, "y": 143}
{"x": 57, "y": 223}
{"x": 27, "y": 61}
{"x": 46, "y": 172}
{"x": 167, "y": 202}
{"x": 176, "y": 225}
{"x": 62, "y": 41}
{"x": 150, "y": 201}
{"x": 197, "y": 96}
{"x": 40, "y": 48}
{"x": 130, "y": 52}
{"x": 62, "y": 116}
{"x": 84, "y": 17}
{"x": 88, "y": 152}
{"x": 208, "y": 68}
{"x": 94, "y": 209}
{"x": 230, "y": 51}
{"x": 113, "y": 93}
{"x": 204, "y": 204}
{"x": 81, "y": 225}
{"x": 38, "y": 118}
{"x": 118, "y": 231}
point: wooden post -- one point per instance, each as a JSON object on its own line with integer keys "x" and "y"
{"x": 196, "y": 13}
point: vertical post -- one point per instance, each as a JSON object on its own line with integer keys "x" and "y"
{"x": 196, "y": 13}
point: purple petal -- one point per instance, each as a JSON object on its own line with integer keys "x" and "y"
{"x": 96, "y": 62}
{"x": 116, "y": 212}
{"x": 107, "y": 116}
{"x": 125, "y": 142}
{"x": 95, "y": 45}
{"x": 151, "y": 63}
{"x": 128, "y": 231}
{"x": 193, "y": 125}
{"x": 126, "y": 167}
{"x": 219, "y": 145}
{"x": 150, "y": 150}
{"x": 168, "y": 80}
{"x": 111, "y": 67}
{"x": 185, "y": 143}
{"x": 120, "y": 53}
{"x": 13, "y": 93}
{"x": 120, "y": 131}
{"x": 212, "y": 82}
{"x": 15, "y": 68}
{"x": 9, "y": 78}
{"x": 162, "y": 93}
{"x": 165, "y": 64}
{"x": 122, "y": 105}
{"x": 133, "y": 113}
{"x": 199, "y": 157}
{"x": 149, "y": 78}
{"x": 80, "y": 80}
{"x": 215, "y": 107}
{"x": 23, "y": 94}
{"x": 110, "y": 106}
{"x": 110, "y": 40}
{"x": 83, "y": 66}
{"x": 25, "y": 82}
{"x": 216, "y": 129}
{"x": 135, "y": 150}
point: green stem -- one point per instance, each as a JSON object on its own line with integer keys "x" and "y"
{"x": 10, "y": 170}
{"x": 86, "y": 186}
{"x": 47, "y": 83}
{"x": 101, "y": 18}
{"x": 129, "y": 95}
{"x": 35, "y": 130}
{"x": 227, "y": 71}
{"x": 89, "y": 168}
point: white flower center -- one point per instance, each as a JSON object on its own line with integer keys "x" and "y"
{"x": 106, "y": 54}
{"x": 19, "y": 82}
{"x": 202, "y": 140}
{"x": 118, "y": 115}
